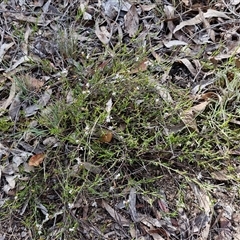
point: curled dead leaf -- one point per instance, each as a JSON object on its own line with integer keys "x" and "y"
{"x": 209, "y": 95}
{"x": 36, "y": 160}
{"x": 188, "y": 116}
{"x": 131, "y": 21}
{"x": 106, "y": 137}
{"x": 189, "y": 66}
{"x": 102, "y": 33}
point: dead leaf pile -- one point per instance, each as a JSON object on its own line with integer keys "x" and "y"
{"x": 9, "y": 172}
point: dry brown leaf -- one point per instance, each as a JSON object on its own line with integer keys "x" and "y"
{"x": 214, "y": 13}
{"x": 205, "y": 204}
{"x": 106, "y": 137}
{"x": 198, "y": 19}
{"x": 113, "y": 7}
{"x": 25, "y": 44}
{"x": 169, "y": 11}
{"x": 103, "y": 64}
{"x": 149, "y": 221}
{"x": 209, "y": 95}
{"x": 102, "y": 33}
{"x": 115, "y": 215}
{"x": 174, "y": 43}
{"x": 132, "y": 204}
{"x": 131, "y": 21}
{"x": 18, "y": 62}
{"x": 42, "y": 102}
{"x": 15, "y": 106}
{"x": 36, "y": 160}
{"x": 147, "y": 8}
{"x": 237, "y": 63}
{"x": 156, "y": 56}
{"x": 142, "y": 66}
{"x": 33, "y": 83}
{"x": 234, "y": 50}
{"x": 200, "y": 107}
{"x": 207, "y": 25}
{"x": 188, "y": 116}
{"x": 162, "y": 91}
{"x": 193, "y": 21}
{"x": 10, "y": 98}
{"x": 154, "y": 235}
{"x": 189, "y": 66}
{"x": 197, "y": 64}
{"x": 202, "y": 84}
{"x": 70, "y": 98}
{"x": 189, "y": 120}
{"x": 11, "y": 181}
{"x": 4, "y": 48}
{"x": 86, "y": 15}
{"x": 220, "y": 175}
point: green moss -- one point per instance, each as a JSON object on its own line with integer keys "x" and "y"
{"x": 5, "y": 124}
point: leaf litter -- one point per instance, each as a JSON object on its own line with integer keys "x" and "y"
{"x": 185, "y": 39}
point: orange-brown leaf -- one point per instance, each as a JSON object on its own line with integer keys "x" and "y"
{"x": 237, "y": 63}
{"x": 36, "y": 160}
{"x": 33, "y": 83}
{"x": 209, "y": 95}
{"x": 141, "y": 67}
{"x": 106, "y": 137}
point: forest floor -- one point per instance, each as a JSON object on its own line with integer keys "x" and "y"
{"x": 119, "y": 119}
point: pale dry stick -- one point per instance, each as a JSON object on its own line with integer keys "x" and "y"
{"x": 217, "y": 219}
{"x": 234, "y": 13}
{"x": 199, "y": 71}
{"x": 2, "y": 37}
